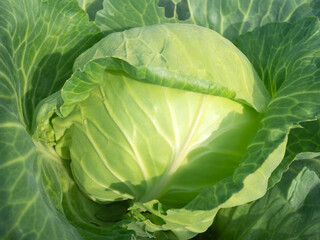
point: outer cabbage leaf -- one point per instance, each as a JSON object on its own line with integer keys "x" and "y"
{"x": 119, "y": 16}
{"x": 288, "y": 63}
{"x": 40, "y": 49}
{"x": 288, "y": 210}
{"x": 230, "y": 18}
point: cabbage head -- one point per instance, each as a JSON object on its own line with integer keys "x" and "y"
{"x": 171, "y": 122}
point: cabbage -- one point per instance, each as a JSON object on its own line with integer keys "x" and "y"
{"x": 159, "y": 119}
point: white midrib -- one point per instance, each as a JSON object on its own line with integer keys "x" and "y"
{"x": 176, "y": 160}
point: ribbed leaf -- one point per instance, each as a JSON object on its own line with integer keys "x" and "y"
{"x": 230, "y": 18}
{"x": 288, "y": 63}
{"x": 289, "y": 210}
